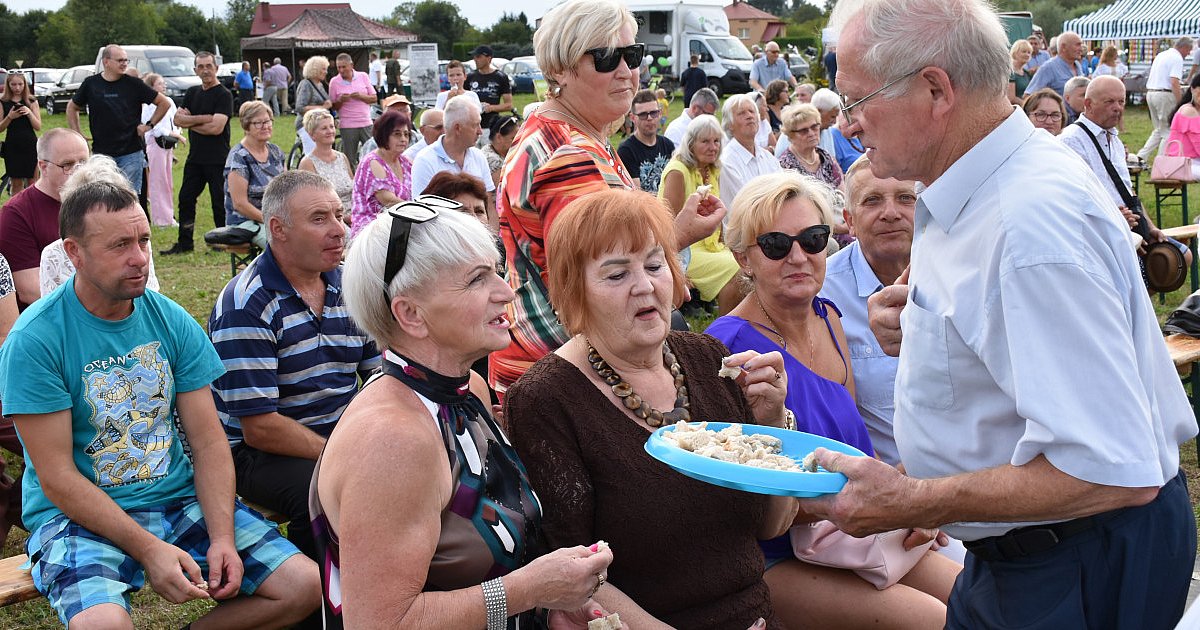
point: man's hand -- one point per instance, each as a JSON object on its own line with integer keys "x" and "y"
{"x": 224, "y": 570}
{"x": 883, "y": 314}
{"x": 174, "y": 574}
{"x": 143, "y": 128}
{"x": 1131, "y": 217}
{"x": 876, "y": 497}
{"x": 698, "y": 218}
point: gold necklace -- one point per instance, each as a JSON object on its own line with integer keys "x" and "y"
{"x": 812, "y": 352}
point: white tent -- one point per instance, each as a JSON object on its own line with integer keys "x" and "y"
{"x": 1139, "y": 19}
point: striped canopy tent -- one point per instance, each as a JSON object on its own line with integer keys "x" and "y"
{"x": 1139, "y": 19}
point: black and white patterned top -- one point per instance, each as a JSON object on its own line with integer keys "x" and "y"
{"x": 6, "y": 279}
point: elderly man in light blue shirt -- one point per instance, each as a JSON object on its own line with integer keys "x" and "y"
{"x": 1038, "y": 413}
{"x": 1055, "y": 73}
{"x": 770, "y": 67}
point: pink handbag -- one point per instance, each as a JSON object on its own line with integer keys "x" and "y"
{"x": 880, "y": 559}
{"x": 1168, "y": 166}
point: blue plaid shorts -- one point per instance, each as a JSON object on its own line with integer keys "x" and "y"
{"x": 76, "y": 569}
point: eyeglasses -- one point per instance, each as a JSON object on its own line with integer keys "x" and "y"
{"x": 67, "y": 167}
{"x": 434, "y": 127}
{"x": 606, "y": 60}
{"x": 813, "y": 128}
{"x": 777, "y": 245}
{"x": 650, "y": 115}
{"x": 260, "y": 123}
{"x": 1044, "y": 116}
{"x": 404, "y": 215}
{"x": 846, "y": 108}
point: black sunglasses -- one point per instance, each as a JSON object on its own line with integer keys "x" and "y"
{"x": 606, "y": 59}
{"x": 404, "y": 215}
{"x": 777, "y": 245}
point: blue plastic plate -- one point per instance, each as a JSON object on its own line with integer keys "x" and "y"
{"x": 796, "y": 444}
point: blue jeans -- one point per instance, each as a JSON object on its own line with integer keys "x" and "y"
{"x": 131, "y": 165}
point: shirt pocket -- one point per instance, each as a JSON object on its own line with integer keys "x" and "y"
{"x": 924, "y": 376}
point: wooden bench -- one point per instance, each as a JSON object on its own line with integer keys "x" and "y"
{"x": 239, "y": 255}
{"x": 16, "y": 584}
{"x": 1165, "y": 189}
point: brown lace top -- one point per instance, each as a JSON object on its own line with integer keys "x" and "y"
{"x": 684, "y": 550}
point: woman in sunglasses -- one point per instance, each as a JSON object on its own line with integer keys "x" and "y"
{"x": 779, "y": 230}
{"x": 686, "y": 551}
{"x": 423, "y": 513}
{"x": 503, "y": 131}
{"x": 587, "y": 52}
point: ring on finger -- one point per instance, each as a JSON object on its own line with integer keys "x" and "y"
{"x": 599, "y": 583}
{"x": 778, "y": 376}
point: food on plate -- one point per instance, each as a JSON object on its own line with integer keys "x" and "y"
{"x": 810, "y": 462}
{"x": 731, "y": 445}
{"x": 611, "y": 622}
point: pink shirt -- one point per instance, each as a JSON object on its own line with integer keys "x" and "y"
{"x": 354, "y": 113}
{"x": 1185, "y": 129}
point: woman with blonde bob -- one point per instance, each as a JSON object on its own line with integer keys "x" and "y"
{"x": 686, "y": 552}
{"x": 454, "y": 543}
{"x": 1019, "y": 79}
{"x": 779, "y": 231}
{"x": 588, "y": 54}
{"x": 326, "y": 161}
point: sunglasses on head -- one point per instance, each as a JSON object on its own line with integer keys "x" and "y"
{"x": 606, "y": 60}
{"x": 404, "y": 215}
{"x": 777, "y": 245}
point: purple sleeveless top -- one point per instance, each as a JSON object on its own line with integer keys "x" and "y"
{"x": 822, "y": 407}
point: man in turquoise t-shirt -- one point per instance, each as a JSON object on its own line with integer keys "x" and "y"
{"x": 103, "y": 380}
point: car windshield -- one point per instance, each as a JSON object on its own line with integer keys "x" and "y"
{"x": 174, "y": 66}
{"x": 729, "y": 48}
{"x": 46, "y": 77}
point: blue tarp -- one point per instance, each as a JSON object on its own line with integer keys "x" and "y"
{"x": 1139, "y": 19}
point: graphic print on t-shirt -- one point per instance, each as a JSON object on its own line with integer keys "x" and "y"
{"x": 130, "y": 398}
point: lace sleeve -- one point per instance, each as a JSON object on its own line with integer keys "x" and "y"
{"x": 55, "y": 268}
{"x": 6, "y": 280}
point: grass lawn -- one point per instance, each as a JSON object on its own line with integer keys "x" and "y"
{"x": 194, "y": 280}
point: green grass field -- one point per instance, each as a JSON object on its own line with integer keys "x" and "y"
{"x": 194, "y": 280}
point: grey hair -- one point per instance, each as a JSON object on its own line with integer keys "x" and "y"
{"x": 96, "y": 182}
{"x": 429, "y": 113}
{"x": 759, "y": 202}
{"x": 826, "y": 99}
{"x": 702, "y": 126}
{"x": 962, "y": 37}
{"x": 863, "y": 162}
{"x": 316, "y": 68}
{"x": 729, "y": 109}
{"x": 798, "y": 112}
{"x": 1074, "y": 83}
{"x": 576, "y": 26}
{"x": 1184, "y": 41}
{"x": 458, "y": 110}
{"x": 704, "y": 97}
{"x": 452, "y": 239}
{"x": 51, "y": 136}
{"x": 314, "y": 117}
{"x": 284, "y": 186}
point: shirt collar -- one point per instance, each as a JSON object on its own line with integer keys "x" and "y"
{"x": 1092, "y": 126}
{"x": 273, "y": 278}
{"x": 868, "y": 283}
{"x": 440, "y": 151}
{"x": 738, "y": 153}
{"x": 946, "y": 197}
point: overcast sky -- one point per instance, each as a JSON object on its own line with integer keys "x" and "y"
{"x": 480, "y": 13}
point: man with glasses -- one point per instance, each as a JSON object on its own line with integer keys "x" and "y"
{"x": 29, "y": 221}
{"x": 114, "y": 104}
{"x": 206, "y": 111}
{"x": 704, "y": 101}
{"x": 645, "y": 153}
{"x": 1038, "y": 413}
{"x": 430, "y": 130}
{"x": 770, "y": 67}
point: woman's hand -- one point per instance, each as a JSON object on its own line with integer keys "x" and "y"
{"x": 565, "y": 579}
{"x": 764, "y": 382}
{"x": 698, "y": 218}
{"x": 918, "y": 536}
{"x": 577, "y": 619}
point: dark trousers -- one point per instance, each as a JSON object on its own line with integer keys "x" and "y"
{"x": 278, "y": 483}
{"x": 246, "y": 95}
{"x": 1132, "y": 570}
{"x": 195, "y": 178}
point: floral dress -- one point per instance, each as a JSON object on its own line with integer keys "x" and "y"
{"x": 365, "y": 207}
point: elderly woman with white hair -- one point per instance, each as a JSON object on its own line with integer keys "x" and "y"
{"x": 311, "y": 94}
{"x": 779, "y": 232}
{"x": 455, "y": 543}
{"x": 697, "y": 162}
{"x": 590, "y": 58}
{"x": 742, "y": 158}
{"x": 326, "y": 161}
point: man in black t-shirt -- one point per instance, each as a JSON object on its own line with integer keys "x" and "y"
{"x": 692, "y": 79}
{"x": 646, "y": 153}
{"x": 114, "y": 102}
{"x": 490, "y": 85}
{"x": 205, "y": 114}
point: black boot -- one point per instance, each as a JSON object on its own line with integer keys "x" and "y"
{"x": 184, "y": 245}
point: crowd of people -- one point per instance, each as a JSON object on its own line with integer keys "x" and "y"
{"x": 461, "y": 330}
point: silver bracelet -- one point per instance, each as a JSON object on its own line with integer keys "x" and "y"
{"x": 495, "y": 601}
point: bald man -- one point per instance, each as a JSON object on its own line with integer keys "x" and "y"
{"x": 1055, "y": 73}
{"x": 770, "y": 67}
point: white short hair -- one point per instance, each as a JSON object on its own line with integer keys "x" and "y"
{"x": 962, "y": 37}
{"x": 826, "y": 99}
{"x": 702, "y": 126}
{"x": 576, "y": 26}
{"x": 459, "y": 109}
{"x": 728, "y": 111}
{"x": 450, "y": 240}
{"x": 1074, "y": 83}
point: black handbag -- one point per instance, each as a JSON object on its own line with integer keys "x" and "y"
{"x": 166, "y": 142}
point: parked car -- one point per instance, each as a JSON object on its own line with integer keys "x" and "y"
{"x": 444, "y": 82}
{"x": 176, "y": 64}
{"x": 225, "y": 75}
{"x": 522, "y": 72}
{"x": 58, "y": 96}
{"x": 44, "y": 79}
{"x": 798, "y": 65}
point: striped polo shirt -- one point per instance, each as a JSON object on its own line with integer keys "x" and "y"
{"x": 279, "y": 356}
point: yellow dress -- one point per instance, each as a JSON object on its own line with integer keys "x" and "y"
{"x": 712, "y": 265}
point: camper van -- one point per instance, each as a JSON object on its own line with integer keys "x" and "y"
{"x": 675, "y": 31}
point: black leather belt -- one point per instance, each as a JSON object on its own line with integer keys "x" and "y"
{"x": 1032, "y": 540}
{"x": 1158, "y": 90}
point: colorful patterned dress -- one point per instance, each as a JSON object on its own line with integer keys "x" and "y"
{"x": 492, "y": 524}
{"x": 550, "y": 164}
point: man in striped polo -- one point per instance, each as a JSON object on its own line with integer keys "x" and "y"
{"x": 292, "y": 355}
